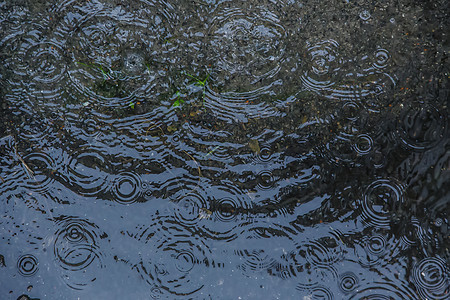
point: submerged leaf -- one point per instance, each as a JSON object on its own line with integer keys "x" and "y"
{"x": 254, "y": 145}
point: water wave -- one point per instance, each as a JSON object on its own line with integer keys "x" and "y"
{"x": 381, "y": 200}
{"x": 27, "y": 265}
{"x": 431, "y": 277}
{"x": 77, "y": 251}
{"x": 115, "y": 51}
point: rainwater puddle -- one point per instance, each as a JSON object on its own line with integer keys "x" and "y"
{"x": 224, "y": 149}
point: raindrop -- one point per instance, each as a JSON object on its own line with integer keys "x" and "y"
{"x": 438, "y": 222}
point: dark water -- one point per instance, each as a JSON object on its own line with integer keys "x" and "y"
{"x": 224, "y": 149}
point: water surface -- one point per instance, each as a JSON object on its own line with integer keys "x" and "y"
{"x": 224, "y": 149}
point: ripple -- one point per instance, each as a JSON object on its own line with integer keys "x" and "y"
{"x": 376, "y": 245}
{"x": 44, "y": 62}
{"x": 265, "y": 180}
{"x": 350, "y": 110}
{"x": 421, "y": 126}
{"x": 283, "y": 272}
{"x": 348, "y": 282}
{"x": 262, "y": 155}
{"x": 86, "y": 174}
{"x": 365, "y": 15}
{"x": 42, "y": 166}
{"x": 228, "y": 210}
{"x": 177, "y": 258}
{"x": 414, "y": 234}
{"x": 381, "y": 58}
{"x": 320, "y": 292}
{"x": 189, "y": 205}
{"x": 249, "y": 44}
{"x": 323, "y": 74}
{"x": 39, "y": 65}
{"x": 188, "y": 253}
{"x": 127, "y": 187}
{"x": 90, "y": 127}
{"x": 77, "y": 252}
{"x": 115, "y": 50}
{"x": 324, "y": 252}
{"x": 255, "y": 261}
{"x": 36, "y": 129}
{"x": 312, "y": 280}
{"x": 222, "y": 153}
{"x": 363, "y": 87}
{"x": 27, "y": 265}
{"x": 381, "y": 200}
{"x": 339, "y": 150}
{"x": 185, "y": 261}
{"x": 323, "y": 65}
{"x": 384, "y": 291}
{"x": 430, "y": 276}
{"x": 363, "y": 144}
{"x": 175, "y": 139}
{"x": 239, "y": 107}
{"x": 75, "y": 245}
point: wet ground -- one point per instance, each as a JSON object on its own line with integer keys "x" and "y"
{"x": 224, "y": 149}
